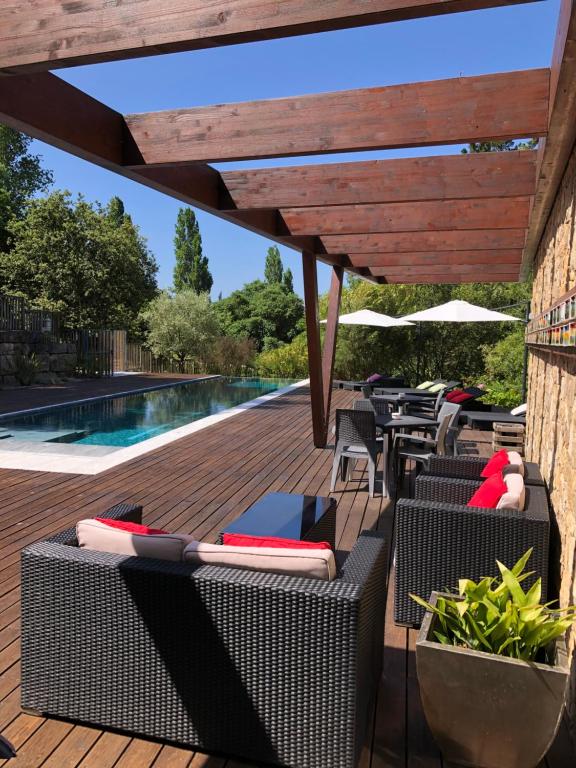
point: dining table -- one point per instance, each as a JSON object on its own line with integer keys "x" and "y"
{"x": 390, "y": 423}
{"x": 402, "y": 400}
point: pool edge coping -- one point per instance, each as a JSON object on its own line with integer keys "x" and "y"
{"x": 84, "y": 465}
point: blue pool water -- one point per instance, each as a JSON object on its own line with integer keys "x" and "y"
{"x": 128, "y": 419}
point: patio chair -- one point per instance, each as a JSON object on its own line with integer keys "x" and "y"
{"x": 214, "y": 658}
{"x": 422, "y": 449}
{"x": 439, "y": 539}
{"x": 356, "y": 440}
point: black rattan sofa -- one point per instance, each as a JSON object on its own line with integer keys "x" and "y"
{"x": 440, "y": 540}
{"x": 470, "y": 468}
{"x": 268, "y": 668}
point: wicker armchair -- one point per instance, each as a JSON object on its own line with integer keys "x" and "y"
{"x": 440, "y": 540}
{"x": 470, "y": 468}
{"x": 265, "y": 667}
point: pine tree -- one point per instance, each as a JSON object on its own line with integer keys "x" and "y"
{"x": 274, "y": 269}
{"x": 288, "y": 280}
{"x": 191, "y": 270}
{"x": 116, "y": 211}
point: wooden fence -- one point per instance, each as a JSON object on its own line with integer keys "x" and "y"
{"x": 138, "y": 358}
{"x": 17, "y": 315}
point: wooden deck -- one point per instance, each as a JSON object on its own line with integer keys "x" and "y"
{"x": 195, "y": 485}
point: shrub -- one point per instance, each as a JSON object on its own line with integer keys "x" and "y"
{"x": 497, "y": 616}
{"x": 290, "y": 360}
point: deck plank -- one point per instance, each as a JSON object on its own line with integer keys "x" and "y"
{"x": 197, "y": 485}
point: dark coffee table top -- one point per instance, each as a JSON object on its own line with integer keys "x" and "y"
{"x": 286, "y": 515}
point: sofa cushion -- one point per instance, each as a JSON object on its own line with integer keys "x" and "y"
{"x": 490, "y": 492}
{"x": 437, "y": 387}
{"x": 244, "y": 540}
{"x": 425, "y": 385}
{"x": 136, "y": 540}
{"x": 454, "y": 393}
{"x": 309, "y": 563}
{"x": 516, "y": 462}
{"x": 515, "y": 496}
{"x": 375, "y": 377}
{"x": 462, "y": 397}
{"x": 496, "y": 464}
{"x": 519, "y": 410}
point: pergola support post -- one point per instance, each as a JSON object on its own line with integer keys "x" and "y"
{"x": 330, "y": 338}
{"x": 319, "y": 428}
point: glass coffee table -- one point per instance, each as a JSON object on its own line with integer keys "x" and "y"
{"x": 289, "y": 516}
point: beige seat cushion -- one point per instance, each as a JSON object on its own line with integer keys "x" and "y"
{"x": 98, "y": 536}
{"x": 516, "y": 462}
{"x": 515, "y": 497}
{"x": 309, "y": 563}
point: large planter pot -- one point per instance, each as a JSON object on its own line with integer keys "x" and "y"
{"x": 488, "y": 711}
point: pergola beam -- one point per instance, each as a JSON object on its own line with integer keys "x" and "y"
{"x": 312, "y": 318}
{"x": 415, "y": 179}
{"x": 555, "y": 150}
{"x": 330, "y": 338}
{"x": 450, "y": 278}
{"x": 409, "y": 270}
{"x": 495, "y": 213}
{"x": 38, "y": 35}
{"x": 425, "y": 241}
{"x": 454, "y": 111}
{"x": 447, "y": 259}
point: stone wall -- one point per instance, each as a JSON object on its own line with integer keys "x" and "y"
{"x": 551, "y": 428}
{"x": 55, "y": 360}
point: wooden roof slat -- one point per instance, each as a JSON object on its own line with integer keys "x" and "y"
{"x": 497, "y": 174}
{"x": 444, "y": 258}
{"x": 451, "y": 278}
{"x": 410, "y": 242}
{"x": 47, "y": 34}
{"x": 495, "y": 213}
{"x": 453, "y": 111}
{"x": 442, "y": 269}
{"x": 555, "y": 150}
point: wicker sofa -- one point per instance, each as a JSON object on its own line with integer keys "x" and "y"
{"x": 440, "y": 540}
{"x": 470, "y": 468}
{"x": 264, "y": 667}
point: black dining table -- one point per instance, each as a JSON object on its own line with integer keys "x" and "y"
{"x": 402, "y": 400}
{"x": 389, "y": 422}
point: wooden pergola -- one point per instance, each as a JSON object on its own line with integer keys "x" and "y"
{"x": 441, "y": 219}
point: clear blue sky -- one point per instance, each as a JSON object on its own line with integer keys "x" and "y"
{"x": 480, "y": 42}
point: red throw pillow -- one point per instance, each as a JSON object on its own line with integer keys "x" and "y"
{"x": 496, "y": 464}
{"x": 490, "y": 492}
{"x": 450, "y": 397}
{"x": 122, "y": 525}
{"x": 243, "y": 540}
{"x": 462, "y": 397}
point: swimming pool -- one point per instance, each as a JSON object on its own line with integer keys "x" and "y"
{"x": 121, "y": 421}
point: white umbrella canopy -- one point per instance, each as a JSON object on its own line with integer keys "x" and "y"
{"x": 368, "y": 317}
{"x": 459, "y": 312}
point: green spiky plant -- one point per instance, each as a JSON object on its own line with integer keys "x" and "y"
{"x": 497, "y": 616}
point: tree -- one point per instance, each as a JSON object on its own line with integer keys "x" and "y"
{"x": 266, "y": 312}
{"x": 288, "y": 281}
{"x": 274, "y": 268}
{"x": 191, "y": 270}
{"x": 116, "y": 212}
{"x": 21, "y": 177}
{"x": 182, "y": 325}
{"x": 499, "y": 146}
{"x": 71, "y": 256}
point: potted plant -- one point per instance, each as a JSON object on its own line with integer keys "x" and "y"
{"x": 493, "y": 670}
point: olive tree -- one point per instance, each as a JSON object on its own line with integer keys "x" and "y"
{"x": 182, "y": 325}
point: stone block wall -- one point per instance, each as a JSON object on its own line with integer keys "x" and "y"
{"x": 56, "y": 360}
{"x": 551, "y": 422}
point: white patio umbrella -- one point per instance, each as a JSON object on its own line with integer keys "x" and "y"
{"x": 368, "y": 317}
{"x": 459, "y": 312}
